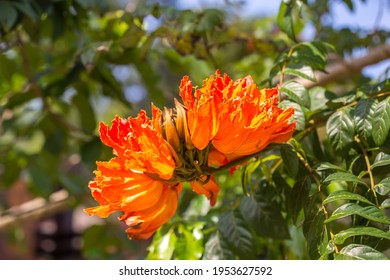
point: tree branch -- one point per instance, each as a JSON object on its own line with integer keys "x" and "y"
{"x": 36, "y": 208}
{"x": 344, "y": 69}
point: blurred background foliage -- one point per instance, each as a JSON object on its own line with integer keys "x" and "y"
{"x": 66, "y": 65}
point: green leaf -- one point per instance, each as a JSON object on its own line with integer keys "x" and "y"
{"x": 385, "y": 204}
{"x": 345, "y": 195}
{"x": 329, "y": 166}
{"x": 235, "y": 231}
{"x": 189, "y": 242}
{"x": 340, "y": 129}
{"x": 290, "y": 159}
{"x": 246, "y": 176}
{"x": 344, "y": 177}
{"x": 217, "y": 248}
{"x": 371, "y": 213}
{"x": 86, "y": 113}
{"x": 359, "y": 252}
{"x": 210, "y": 20}
{"x": 296, "y": 92}
{"x": 300, "y": 70}
{"x": 299, "y": 115}
{"x": 343, "y": 235}
{"x": 26, "y": 8}
{"x": 380, "y": 160}
{"x": 287, "y": 18}
{"x": 8, "y": 16}
{"x": 313, "y": 229}
{"x": 383, "y": 187}
{"x": 298, "y": 196}
{"x": 264, "y": 219}
{"x": 163, "y": 245}
{"x": 363, "y": 117}
{"x": 381, "y": 122}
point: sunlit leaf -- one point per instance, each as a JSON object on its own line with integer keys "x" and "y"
{"x": 299, "y": 115}
{"x": 344, "y": 177}
{"x": 340, "y": 129}
{"x": 363, "y": 118}
{"x": 343, "y": 235}
{"x": 383, "y": 187}
{"x": 371, "y": 213}
{"x": 300, "y": 70}
{"x": 359, "y": 252}
{"x": 163, "y": 245}
{"x": 296, "y": 92}
{"x": 329, "y": 166}
{"x": 345, "y": 195}
{"x": 381, "y": 121}
{"x": 381, "y": 160}
{"x": 189, "y": 242}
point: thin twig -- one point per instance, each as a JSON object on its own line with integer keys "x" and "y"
{"x": 35, "y": 209}
{"x": 345, "y": 69}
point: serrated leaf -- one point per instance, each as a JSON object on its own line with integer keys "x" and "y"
{"x": 343, "y": 235}
{"x": 344, "y": 177}
{"x": 383, "y": 187}
{"x": 264, "y": 219}
{"x": 298, "y": 196}
{"x": 363, "y": 117}
{"x": 340, "y": 129}
{"x": 380, "y": 160}
{"x": 359, "y": 252}
{"x": 296, "y": 92}
{"x": 235, "y": 231}
{"x": 371, "y": 213}
{"x": 290, "y": 160}
{"x": 381, "y": 122}
{"x": 300, "y": 70}
{"x": 345, "y": 195}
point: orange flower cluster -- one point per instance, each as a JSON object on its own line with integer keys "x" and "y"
{"x": 220, "y": 122}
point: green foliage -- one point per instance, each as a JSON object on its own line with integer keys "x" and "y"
{"x": 67, "y": 65}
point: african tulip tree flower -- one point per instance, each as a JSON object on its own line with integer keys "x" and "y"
{"x": 122, "y": 184}
{"x": 145, "y": 178}
{"x": 238, "y": 118}
{"x": 222, "y": 121}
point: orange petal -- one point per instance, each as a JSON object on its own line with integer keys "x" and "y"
{"x": 142, "y": 224}
{"x": 209, "y": 189}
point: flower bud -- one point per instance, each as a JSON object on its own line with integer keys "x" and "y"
{"x": 171, "y": 133}
{"x": 181, "y": 125}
